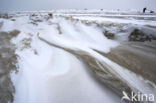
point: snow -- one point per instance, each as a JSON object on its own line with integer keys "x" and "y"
{"x": 48, "y": 74}
{"x": 116, "y": 20}
{"x": 124, "y": 74}
{"x": 55, "y": 76}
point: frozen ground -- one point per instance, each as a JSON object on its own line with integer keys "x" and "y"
{"x": 76, "y": 56}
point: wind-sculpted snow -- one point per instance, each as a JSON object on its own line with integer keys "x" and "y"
{"x": 80, "y": 59}
{"x": 116, "y": 76}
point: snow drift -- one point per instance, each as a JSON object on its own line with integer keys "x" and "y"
{"x": 69, "y": 59}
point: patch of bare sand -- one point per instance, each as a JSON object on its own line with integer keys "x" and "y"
{"x": 139, "y": 57}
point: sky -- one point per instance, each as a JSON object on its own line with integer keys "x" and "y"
{"x": 31, "y": 5}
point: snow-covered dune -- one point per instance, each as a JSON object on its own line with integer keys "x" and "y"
{"x": 64, "y": 58}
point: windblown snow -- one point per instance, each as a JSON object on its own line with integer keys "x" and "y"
{"x": 61, "y": 57}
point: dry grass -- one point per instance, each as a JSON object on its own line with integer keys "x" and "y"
{"x": 8, "y": 60}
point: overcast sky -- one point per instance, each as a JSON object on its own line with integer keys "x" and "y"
{"x": 27, "y": 5}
